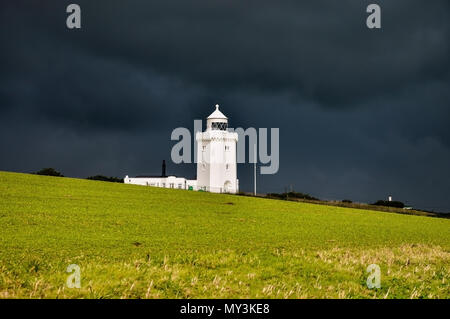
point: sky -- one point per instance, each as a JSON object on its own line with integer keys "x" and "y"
{"x": 363, "y": 113}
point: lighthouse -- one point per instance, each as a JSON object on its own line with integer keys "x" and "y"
{"x": 216, "y": 162}
{"x": 216, "y": 156}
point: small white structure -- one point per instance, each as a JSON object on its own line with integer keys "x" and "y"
{"x": 162, "y": 181}
{"x": 166, "y": 182}
{"x": 216, "y": 161}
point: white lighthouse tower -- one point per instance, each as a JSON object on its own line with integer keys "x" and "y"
{"x": 216, "y": 156}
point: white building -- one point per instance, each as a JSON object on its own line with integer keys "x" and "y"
{"x": 162, "y": 181}
{"x": 216, "y": 161}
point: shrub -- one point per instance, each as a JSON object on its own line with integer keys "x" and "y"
{"x": 106, "y": 179}
{"x": 275, "y": 195}
{"x": 389, "y": 203}
{"x": 49, "y": 172}
{"x": 291, "y": 195}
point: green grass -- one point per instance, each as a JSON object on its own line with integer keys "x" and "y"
{"x": 143, "y": 242}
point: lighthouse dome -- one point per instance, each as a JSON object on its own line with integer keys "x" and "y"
{"x": 217, "y": 114}
{"x": 217, "y": 121}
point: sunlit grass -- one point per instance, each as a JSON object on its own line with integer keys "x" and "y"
{"x": 142, "y": 242}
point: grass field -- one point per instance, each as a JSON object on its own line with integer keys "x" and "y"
{"x": 143, "y": 242}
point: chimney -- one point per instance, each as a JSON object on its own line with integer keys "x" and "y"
{"x": 164, "y": 169}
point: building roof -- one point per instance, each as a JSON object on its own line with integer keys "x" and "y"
{"x": 149, "y": 176}
{"x": 217, "y": 114}
{"x": 159, "y": 176}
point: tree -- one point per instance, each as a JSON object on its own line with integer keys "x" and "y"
{"x": 106, "y": 179}
{"x": 49, "y": 172}
{"x": 389, "y": 203}
{"x": 291, "y": 195}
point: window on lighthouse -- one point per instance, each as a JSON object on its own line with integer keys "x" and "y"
{"x": 219, "y": 126}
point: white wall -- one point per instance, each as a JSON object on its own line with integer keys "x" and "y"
{"x": 216, "y": 158}
{"x": 167, "y": 182}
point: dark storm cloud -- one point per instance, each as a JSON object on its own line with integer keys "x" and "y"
{"x": 362, "y": 113}
{"x": 320, "y": 49}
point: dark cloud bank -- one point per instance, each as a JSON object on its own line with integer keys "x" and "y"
{"x": 362, "y": 113}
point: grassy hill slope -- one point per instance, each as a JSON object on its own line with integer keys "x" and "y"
{"x": 143, "y": 242}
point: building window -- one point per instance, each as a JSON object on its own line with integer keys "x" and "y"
{"x": 219, "y": 126}
{"x": 227, "y": 148}
{"x": 163, "y": 184}
{"x": 171, "y": 185}
{"x": 180, "y": 186}
{"x": 227, "y": 166}
{"x": 203, "y": 147}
